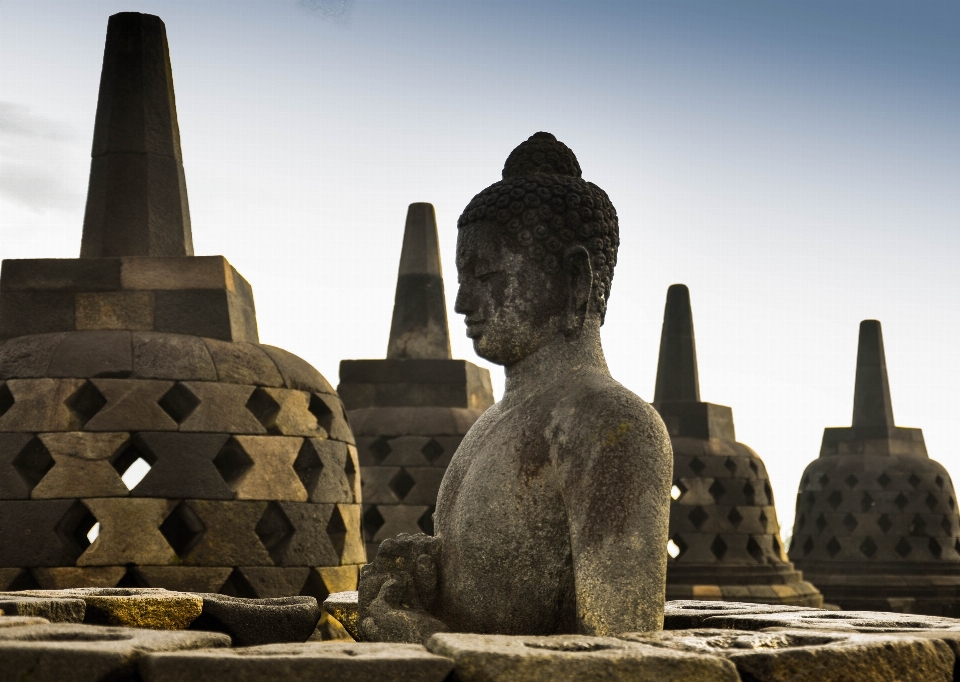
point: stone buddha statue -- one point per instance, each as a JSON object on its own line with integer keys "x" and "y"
{"x": 552, "y": 516}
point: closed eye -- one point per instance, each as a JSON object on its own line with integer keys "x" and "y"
{"x": 487, "y": 276}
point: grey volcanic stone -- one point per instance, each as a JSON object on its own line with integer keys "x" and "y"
{"x": 343, "y": 606}
{"x": 300, "y": 663}
{"x": 572, "y": 658}
{"x": 685, "y": 614}
{"x": 54, "y": 609}
{"x": 552, "y": 516}
{"x": 259, "y": 621}
{"x": 88, "y": 653}
{"x": 799, "y": 655}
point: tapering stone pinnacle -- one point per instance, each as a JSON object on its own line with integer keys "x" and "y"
{"x": 137, "y": 198}
{"x": 419, "y": 328}
{"x": 871, "y": 398}
{"x": 677, "y": 378}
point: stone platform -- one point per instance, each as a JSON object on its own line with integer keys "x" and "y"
{"x": 189, "y": 637}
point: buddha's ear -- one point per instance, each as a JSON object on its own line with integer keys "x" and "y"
{"x": 579, "y": 277}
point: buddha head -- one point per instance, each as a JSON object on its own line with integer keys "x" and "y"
{"x": 535, "y": 254}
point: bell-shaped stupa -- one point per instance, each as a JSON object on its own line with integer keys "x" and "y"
{"x": 141, "y": 358}
{"x": 410, "y": 411}
{"x": 724, "y": 534}
{"x": 877, "y": 525}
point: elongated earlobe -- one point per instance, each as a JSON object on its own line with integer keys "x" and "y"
{"x": 579, "y": 272}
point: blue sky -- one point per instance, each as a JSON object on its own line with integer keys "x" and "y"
{"x": 796, "y": 164}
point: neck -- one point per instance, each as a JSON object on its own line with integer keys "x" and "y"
{"x": 561, "y": 357}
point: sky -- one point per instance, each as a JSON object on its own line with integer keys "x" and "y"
{"x": 795, "y": 163}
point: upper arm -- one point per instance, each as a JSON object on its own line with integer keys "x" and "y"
{"x": 616, "y": 467}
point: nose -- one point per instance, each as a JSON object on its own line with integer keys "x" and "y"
{"x": 463, "y": 303}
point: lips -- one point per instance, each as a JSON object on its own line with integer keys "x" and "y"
{"x": 474, "y": 328}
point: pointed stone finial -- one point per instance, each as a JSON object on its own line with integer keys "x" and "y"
{"x": 419, "y": 329}
{"x": 677, "y": 370}
{"x": 871, "y": 398}
{"x": 137, "y": 198}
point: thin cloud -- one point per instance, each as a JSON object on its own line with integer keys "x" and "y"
{"x": 337, "y": 11}
{"x": 17, "y": 121}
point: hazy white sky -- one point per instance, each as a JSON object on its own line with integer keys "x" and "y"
{"x": 796, "y": 164}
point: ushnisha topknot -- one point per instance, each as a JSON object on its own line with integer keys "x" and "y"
{"x": 545, "y": 206}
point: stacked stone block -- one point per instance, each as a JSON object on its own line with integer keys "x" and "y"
{"x": 139, "y": 353}
{"x": 724, "y": 534}
{"x": 410, "y": 411}
{"x": 877, "y": 525}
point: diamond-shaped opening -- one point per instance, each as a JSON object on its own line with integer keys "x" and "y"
{"x": 824, "y": 480}
{"x": 914, "y": 480}
{"x": 833, "y": 547}
{"x": 425, "y": 522}
{"x": 808, "y": 546}
{"x": 372, "y": 522}
{"x": 884, "y": 480}
{"x": 94, "y": 532}
{"x": 718, "y": 547}
{"x": 350, "y": 471}
{"x": 946, "y": 525}
{"x": 697, "y": 517}
{"x": 763, "y": 520}
{"x": 749, "y": 493}
{"x": 262, "y": 406}
{"x": 33, "y": 462}
{"x": 337, "y": 531}
{"x": 885, "y": 523}
{"x": 275, "y": 531}
{"x": 308, "y": 465}
{"x": 850, "y": 522}
{"x": 25, "y": 580}
{"x": 935, "y": 548}
{"x": 132, "y": 578}
{"x": 315, "y": 587}
{"x": 74, "y": 526}
{"x": 931, "y": 501}
{"x": 754, "y": 468}
{"x": 918, "y": 527}
{"x": 903, "y": 548}
{"x": 851, "y": 481}
{"x": 676, "y": 547}
{"x": 866, "y": 502}
{"x": 233, "y": 463}
{"x": 179, "y": 402}
{"x": 182, "y": 529}
{"x": 754, "y": 549}
{"x": 432, "y": 450}
{"x": 133, "y": 461}
{"x": 730, "y": 465}
{"x": 380, "y": 449}
{"x": 85, "y": 402}
{"x": 237, "y": 585}
{"x": 901, "y": 501}
{"x": 322, "y": 413}
{"x": 821, "y": 523}
{"x": 401, "y": 484}
{"x": 868, "y": 548}
{"x": 697, "y": 466}
{"x": 677, "y": 491}
{"x": 717, "y": 490}
{"x": 6, "y": 399}
{"x": 835, "y": 499}
{"x": 735, "y": 517}
{"x": 939, "y": 481}
{"x": 801, "y": 521}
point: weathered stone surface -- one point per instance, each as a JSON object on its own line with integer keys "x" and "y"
{"x": 21, "y": 467}
{"x": 61, "y": 274}
{"x": 404, "y": 421}
{"x": 301, "y": 662}
{"x": 251, "y": 622}
{"x": 266, "y": 582}
{"x": 328, "y": 470}
{"x": 35, "y": 312}
{"x": 343, "y": 606}
{"x": 849, "y": 621}
{"x": 243, "y": 363}
{"x": 271, "y": 475}
{"x": 229, "y": 536}
{"x": 126, "y": 310}
{"x": 688, "y": 614}
{"x": 129, "y": 532}
{"x": 182, "y": 465}
{"x": 167, "y": 274}
{"x": 41, "y": 532}
{"x": 57, "y": 610}
{"x": 297, "y": 373}
{"x": 171, "y": 356}
{"x": 797, "y": 655}
{"x": 20, "y": 621}
{"x": 82, "y": 466}
{"x": 27, "y": 357}
{"x": 70, "y": 577}
{"x": 87, "y": 653}
{"x": 132, "y": 405}
{"x": 153, "y": 609}
{"x": 222, "y": 408}
{"x": 93, "y": 354}
{"x": 41, "y": 405}
{"x": 183, "y": 578}
{"x": 497, "y": 658}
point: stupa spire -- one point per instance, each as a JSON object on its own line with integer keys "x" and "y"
{"x": 871, "y": 398}
{"x": 677, "y": 377}
{"x": 419, "y": 329}
{"x": 137, "y": 197}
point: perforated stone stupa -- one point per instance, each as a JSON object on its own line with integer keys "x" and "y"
{"x": 139, "y": 353}
{"x": 877, "y": 524}
{"x": 725, "y": 538}
{"x": 410, "y": 411}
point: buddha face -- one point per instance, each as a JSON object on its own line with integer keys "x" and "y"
{"x": 512, "y": 307}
